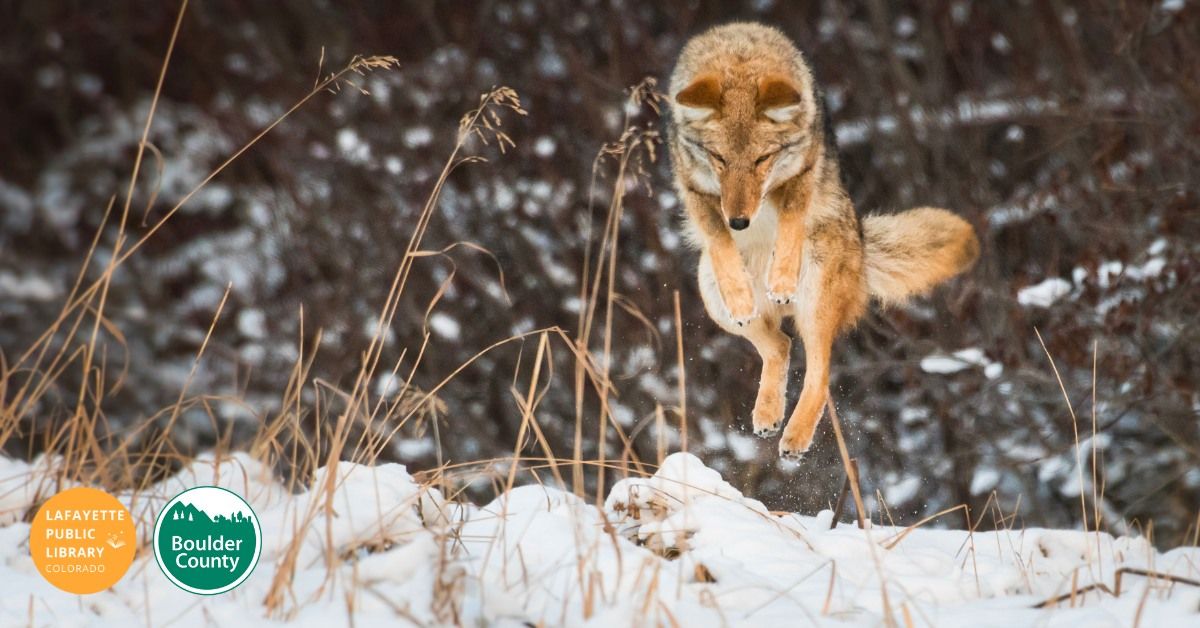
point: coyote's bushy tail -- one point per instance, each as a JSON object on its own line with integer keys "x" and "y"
{"x": 912, "y": 251}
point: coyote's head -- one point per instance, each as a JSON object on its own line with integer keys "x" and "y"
{"x": 744, "y": 137}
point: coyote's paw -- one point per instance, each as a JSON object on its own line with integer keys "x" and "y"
{"x": 766, "y": 431}
{"x": 780, "y": 298}
{"x": 791, "y": 453}
{"x": 783, "y": 280}
{"x": 740, "y": 307}
{"x": 768, "y": 412}
{"x": 792, "y": 456}
{"x": 792, "y": 447}
{"x": 742, "y": 321}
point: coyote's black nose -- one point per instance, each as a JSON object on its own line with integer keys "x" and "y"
{"x": 737, "y": 224}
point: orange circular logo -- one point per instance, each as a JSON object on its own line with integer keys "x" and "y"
{"x": 82, "y": 540}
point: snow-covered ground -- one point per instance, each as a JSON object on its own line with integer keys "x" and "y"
{"x": 682, "y": 548}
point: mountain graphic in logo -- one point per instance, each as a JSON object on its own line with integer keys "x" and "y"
{"x": 207, "y": 540}
{"x": 182, "y": 511}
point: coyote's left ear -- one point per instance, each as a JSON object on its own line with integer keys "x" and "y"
{"x": 701, "y": 98}
{"x": 778, "y": 98}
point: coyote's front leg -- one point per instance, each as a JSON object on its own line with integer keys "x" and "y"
{"x": 783, "y": 278}
{"x": 733, "y": 282}
{"x": 774, "y": 347}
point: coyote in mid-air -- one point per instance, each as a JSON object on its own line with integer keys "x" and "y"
{"x": 756, "y": 165}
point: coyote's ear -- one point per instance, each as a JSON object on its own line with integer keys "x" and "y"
{"x": 778, "y": 98}
{"x": 701, "y": 98}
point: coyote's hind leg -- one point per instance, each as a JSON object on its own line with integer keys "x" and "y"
{"x": 817, "y": 333}
{"x": 837, "y": 301}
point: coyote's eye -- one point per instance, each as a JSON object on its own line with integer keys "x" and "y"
{"x": 762, "y": 160}
{"x": 707, "y": 151}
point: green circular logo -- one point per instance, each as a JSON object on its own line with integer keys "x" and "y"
{"x": 207, "y": 540}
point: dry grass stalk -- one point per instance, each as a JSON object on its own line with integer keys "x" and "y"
{"x": 889, "y": 619}
{"x": 1075, "y": 431}
{"x": 633, "y": 149}
{"x": 483, "y": 124}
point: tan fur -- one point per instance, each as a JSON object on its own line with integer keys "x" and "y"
{"x": 910, "y": 252}
{"x": 778, "y": 234}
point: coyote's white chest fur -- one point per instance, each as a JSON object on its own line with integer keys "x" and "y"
{"x": 756, "y": 244}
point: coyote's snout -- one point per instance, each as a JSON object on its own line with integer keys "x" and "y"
{"x": 756, "y": 166}
{"x": 738, "y": 154}
{"x": 741, "y": 191}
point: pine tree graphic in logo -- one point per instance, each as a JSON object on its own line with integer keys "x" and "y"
{"x": 207, "y": 540}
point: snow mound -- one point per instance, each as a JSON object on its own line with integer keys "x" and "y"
{"x": 370, "y": 545}
{"x": 684, "y": 498}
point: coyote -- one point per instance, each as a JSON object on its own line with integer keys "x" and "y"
{"x": 756, "y": 165}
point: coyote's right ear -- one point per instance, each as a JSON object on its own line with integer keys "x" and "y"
{"x": 701, "y": 98}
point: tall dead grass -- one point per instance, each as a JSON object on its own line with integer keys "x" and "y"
{"x": 355, "y": 424}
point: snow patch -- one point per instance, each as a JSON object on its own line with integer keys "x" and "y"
{"x": 252, "y": 323}
{"x": 445, "y": 326}
{"x": 663, "y": 550}
{"x": 962, "y": 359}
{"x": 544, "y": 147}
{"x": 26, "y": 288}
{"x": 1044, "y": 294}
